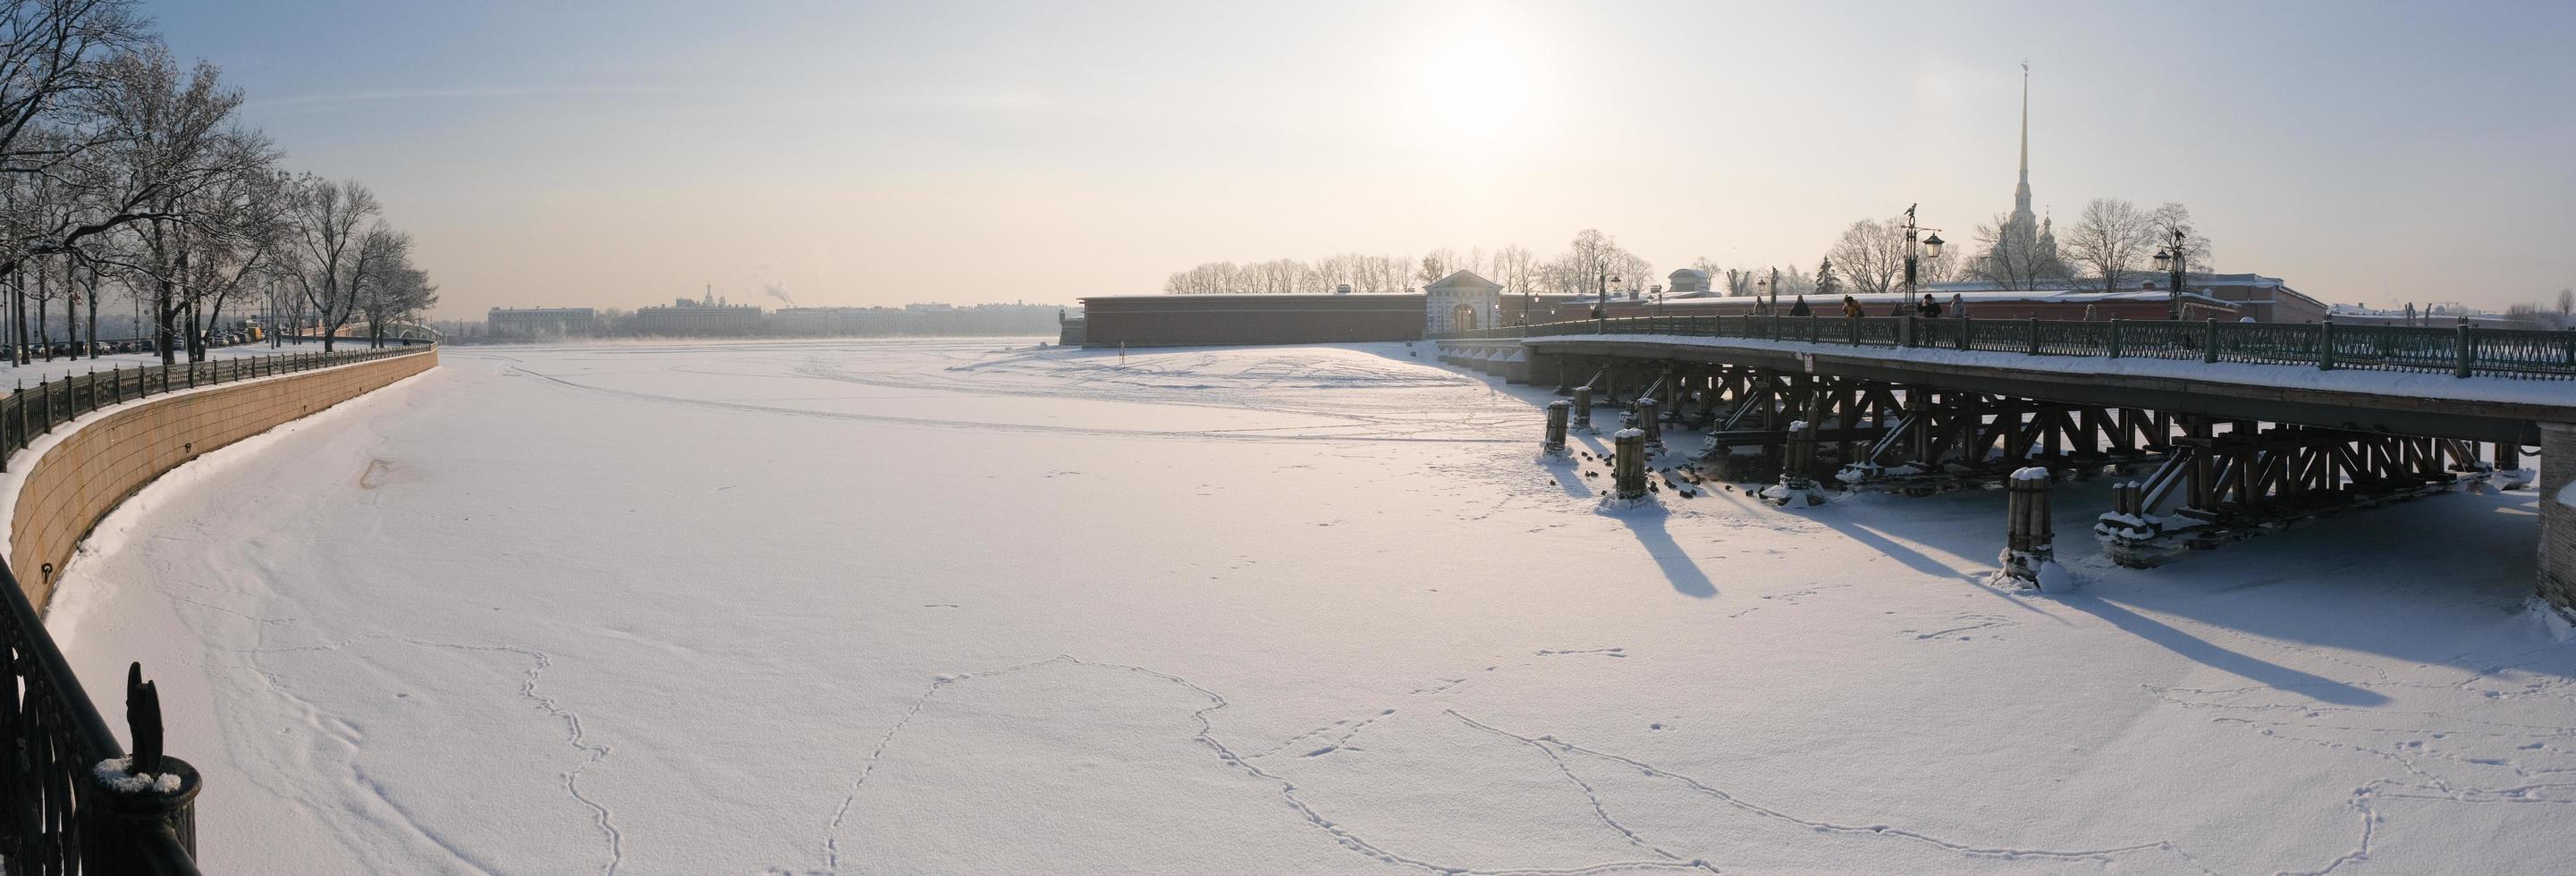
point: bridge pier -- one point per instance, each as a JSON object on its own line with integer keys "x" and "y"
{"x": 2557, "y": 518}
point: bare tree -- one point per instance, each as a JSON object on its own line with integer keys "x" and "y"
{"x": 235, "y": 239}
{"x": 2019, "y": 266}
{"x": 2111, "y": 238}
{"x": 2171, "y": 217}
{"x": 175, "y": 178}
{"x": 1871, "y": 255}
{"x": 54, "y": 56}
{"x": 1437, "y": 264}
{"x": 392, "y": 290}
{"x": 328, "y": 232}
{"x": 1591, "y": 256}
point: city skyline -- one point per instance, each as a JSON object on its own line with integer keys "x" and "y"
{"x": 1033, "y": 153}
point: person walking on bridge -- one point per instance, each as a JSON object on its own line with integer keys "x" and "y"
{"x": 1851, "y": 307}
{"x": 1929, "y": 307}
{"x": 1958, "y": 305}
{"x": 1799, "y": 307}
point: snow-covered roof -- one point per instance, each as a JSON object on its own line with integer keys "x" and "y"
{"x": 1463, "y": 280}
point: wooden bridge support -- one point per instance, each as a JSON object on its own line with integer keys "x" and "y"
{"x": 2247, "y": 480}
{"x": 2030, "y": 541}
{"x": 2557, "y": 517}
{"x": 1628, "y": 463}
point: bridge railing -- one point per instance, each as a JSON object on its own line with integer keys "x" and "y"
{"x": 2461, "y": 350}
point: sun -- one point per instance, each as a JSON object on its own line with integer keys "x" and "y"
{"x": 1474, "y": 91}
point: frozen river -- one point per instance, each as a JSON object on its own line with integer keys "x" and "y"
{"x": 974, "y": 607}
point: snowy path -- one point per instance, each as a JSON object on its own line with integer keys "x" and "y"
{"x": 943, "y": 607}
{"x": 62, "y": 366}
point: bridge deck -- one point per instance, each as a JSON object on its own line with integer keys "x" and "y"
{"x": 2487, "y": 408}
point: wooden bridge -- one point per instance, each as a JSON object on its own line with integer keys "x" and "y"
{"x": 2230, "y": 429}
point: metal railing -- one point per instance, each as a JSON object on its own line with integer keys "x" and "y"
{"x": 54, "y": 817}
{"x": 2463, "y": 350}
{"x": 35, "y": 410}
{"x": 58, "y": 813}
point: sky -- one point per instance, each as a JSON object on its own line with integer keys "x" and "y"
{"x": 618, "y": 154}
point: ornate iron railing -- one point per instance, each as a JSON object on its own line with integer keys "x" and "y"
{"x": 55, "y": 815}
{"x": 2462, "y": 350}
{"x": 35, "y": 410}
{"x": 59, "y": 812}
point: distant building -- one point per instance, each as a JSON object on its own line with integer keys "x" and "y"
{"x": 538, "y": 323}
{"x": 1687, "y": 282}
{"x": 1461, "y": 302}
{"x": 1987, "y": 303}
{"x": 2265, "y": 299}
{"x": 2250, "y": 296}
{"x": 711, "y": 316}
{"x": 1189, "y": 320}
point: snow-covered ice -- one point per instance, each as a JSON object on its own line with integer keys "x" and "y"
{"x": 969, "y": 607}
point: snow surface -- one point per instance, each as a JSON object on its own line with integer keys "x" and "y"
{"x": 945, "y": 607}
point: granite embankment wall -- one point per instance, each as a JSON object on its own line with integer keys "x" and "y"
{"x": 86, "y": 474}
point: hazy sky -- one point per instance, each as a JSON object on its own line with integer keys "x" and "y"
{"x": 623, "y": 153}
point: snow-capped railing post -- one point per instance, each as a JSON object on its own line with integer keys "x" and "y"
{"x": 1650, "y": 419}
{"x": 1583, "y": 406}
{"x": 2325, "y": 343}
{"x": 1905, "y": 331}
{"x": 1967, "y": 332}
{"x": 1628, "y": 463}
{"x": 1556, "y": 419}
{"x": 2030, "y": 544}
{"x": 2209, "y": 340}
{"x": 140, "y": 795}
{"x": 2115, "y": 336}
{"x": 2468, "y": 349}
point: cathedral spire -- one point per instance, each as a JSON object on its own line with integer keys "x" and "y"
{"x": 2021, "y": 193}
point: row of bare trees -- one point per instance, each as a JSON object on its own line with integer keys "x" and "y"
{"x": 2107, "y": 248}
{"x": 1581, "y": 269}
{"x": 123, "y": 170}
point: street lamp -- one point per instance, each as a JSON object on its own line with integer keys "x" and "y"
{"x": 1601, "y": 300}
{"x": 1930, "y": 248}
{"x": 1658, "y": 289}
{"x": 2171, "y": 256}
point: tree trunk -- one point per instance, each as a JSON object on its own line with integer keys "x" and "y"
{"x": 18, "y": 320}
{"x": 44, "y": 333}
{"x": 71, "y": 309}
{"x": 93, "y": 311}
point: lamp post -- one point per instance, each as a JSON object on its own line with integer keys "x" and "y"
{"x": 1761, "y": 295}
{"x": 2170, "y": 256}
{"x": 1658, "y": 289}
{"x": 1601, "y": 301}
{"x": 1930, "y": 248}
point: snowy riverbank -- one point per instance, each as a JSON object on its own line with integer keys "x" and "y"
{"x": 943, "y": 607}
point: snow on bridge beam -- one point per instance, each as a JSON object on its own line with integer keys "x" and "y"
{"x": 2430, "y": 405}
